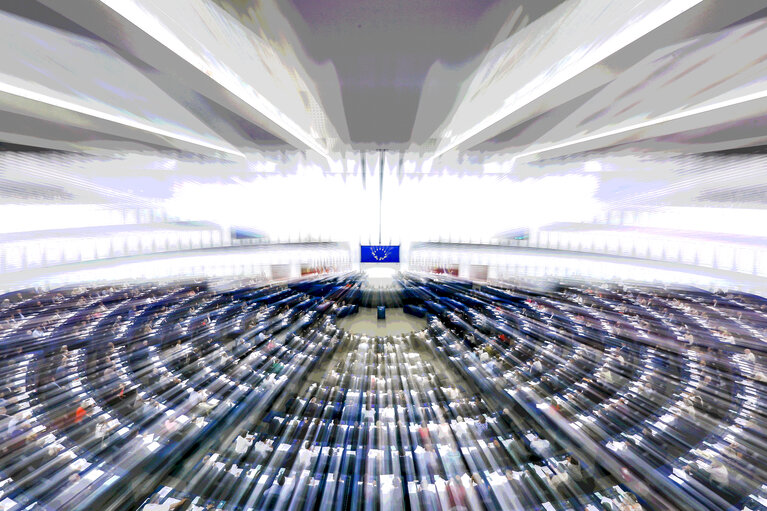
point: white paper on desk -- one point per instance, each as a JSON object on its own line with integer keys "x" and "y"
{"x": 7, "y": 504}
{"x": 676, "y": 479}
{"x": 93, "y": 474}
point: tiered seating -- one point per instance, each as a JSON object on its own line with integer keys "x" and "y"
{"x": 666, "y": 383}
{"x": 96, "y": 381}
{"x": 188, "y": 397}
{"x": 384, "y": 428}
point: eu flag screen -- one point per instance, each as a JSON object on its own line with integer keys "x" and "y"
{"x": 379, "y": 253}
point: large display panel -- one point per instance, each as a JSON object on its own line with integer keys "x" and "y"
{"x": 379, "y": 253}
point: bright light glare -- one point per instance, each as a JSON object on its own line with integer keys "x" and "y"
{"x": 569, "y": 51}
{"x": 133, "y": 11}
{"x": 82, "y": 109}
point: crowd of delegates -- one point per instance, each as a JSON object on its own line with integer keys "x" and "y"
{"x": 193, "y": 396}
{"x": 96, "y": 384}
{"x": 387, "y": 427}
{"x": 668, "y": 383}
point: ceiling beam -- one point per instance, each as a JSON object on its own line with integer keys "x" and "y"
{"x": 157, "y": 34}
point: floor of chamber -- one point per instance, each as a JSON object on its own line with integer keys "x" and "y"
{"x": 396, "y": 323}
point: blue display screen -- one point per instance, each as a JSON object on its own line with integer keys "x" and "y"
{"x": 379, "y": 253}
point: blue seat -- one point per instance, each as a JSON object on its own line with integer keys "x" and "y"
{"x": 414, "y": 310}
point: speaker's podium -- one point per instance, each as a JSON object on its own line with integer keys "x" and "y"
{"x": 381, "y": 312}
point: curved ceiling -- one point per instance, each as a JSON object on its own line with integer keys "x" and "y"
{"x": 230, "y": 77}
{"x": 384, "y": 50}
